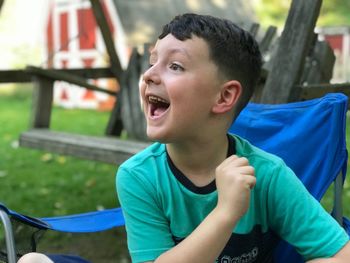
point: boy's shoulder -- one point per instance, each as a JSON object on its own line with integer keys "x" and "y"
{"x": 266, "y": 164}
{"x": 152, "y": 153}
{"x": 144, "y": 169}
{"x": 246, "y": 149}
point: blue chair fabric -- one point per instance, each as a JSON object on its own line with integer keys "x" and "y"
{"x": 78, "y": 223}
{"x": 309, "y": 136}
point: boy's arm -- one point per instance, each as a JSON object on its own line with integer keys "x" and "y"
{"x": 343, "y": 256}
{"x": 234, "y": 179}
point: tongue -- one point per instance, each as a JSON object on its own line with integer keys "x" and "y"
{"x": 159, "y": 111}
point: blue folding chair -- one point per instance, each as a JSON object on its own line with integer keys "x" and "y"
{"x": 308, "y": 135}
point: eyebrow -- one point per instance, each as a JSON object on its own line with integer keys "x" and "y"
{"x": 172, "y": 51}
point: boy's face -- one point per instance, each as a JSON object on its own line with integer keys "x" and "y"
{"x": 179, "y": 89}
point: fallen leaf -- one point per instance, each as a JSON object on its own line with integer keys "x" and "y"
{"x": 100, "y": 207}
{"x": 3, "y": 173}
{"x": 47, "y": 157}
{"x": 90, "y": 183}
{"x": 61, "y": 160}
{"x": 15, "y": 144}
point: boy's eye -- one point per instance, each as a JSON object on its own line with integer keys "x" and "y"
{"x": 176, "y": 67}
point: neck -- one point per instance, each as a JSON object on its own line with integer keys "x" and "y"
{"x": 198, "y": 159}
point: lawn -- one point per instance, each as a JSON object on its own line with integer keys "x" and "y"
{"x": 45, "y": 184}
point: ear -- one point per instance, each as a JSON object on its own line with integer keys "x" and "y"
{"x": 227, "y": 98}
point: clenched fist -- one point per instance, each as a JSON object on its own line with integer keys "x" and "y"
{"x": 234, "y": 180}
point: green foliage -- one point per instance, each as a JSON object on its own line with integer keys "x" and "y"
{"x": 274, "y": 12}
{"x": 334, "y": 13}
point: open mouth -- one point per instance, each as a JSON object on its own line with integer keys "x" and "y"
{"x": 157, "y": 105}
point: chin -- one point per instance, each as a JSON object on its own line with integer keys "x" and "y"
{"x": 157, "y": 136}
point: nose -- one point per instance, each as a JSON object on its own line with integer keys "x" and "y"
{"x": 151, "y": 75}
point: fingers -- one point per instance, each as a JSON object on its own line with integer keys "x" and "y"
{"x": 234, "y": 180}
{"x": 236, "y": 159}
{"x": 239, "y": 170}
{"x": 247, "y": 169}
{"x": 250, "y": 182}
{"x": 241, "y": 163}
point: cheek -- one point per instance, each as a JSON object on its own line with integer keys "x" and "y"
{"x": 142, "y": 91}
{"x": 191, "y": 93}
{"x": 142, "y": 88}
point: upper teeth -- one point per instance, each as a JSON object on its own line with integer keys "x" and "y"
{"x": 156, "y": 99}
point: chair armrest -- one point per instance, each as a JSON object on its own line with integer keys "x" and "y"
{"x": 10, "y": 244}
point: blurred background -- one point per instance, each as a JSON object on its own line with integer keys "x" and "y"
{"x": 63, "y": 34}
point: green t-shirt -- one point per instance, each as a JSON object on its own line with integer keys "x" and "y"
{"x": 161, "y": 207}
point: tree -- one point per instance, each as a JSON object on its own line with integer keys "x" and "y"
{"x": 271, "y": 12}
{"x": 334, "y": 13}
{"x": 274, "y": 12}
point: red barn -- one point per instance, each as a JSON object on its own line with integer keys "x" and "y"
{"x": 74, "y": 41}
{"x": 339, "y": 39}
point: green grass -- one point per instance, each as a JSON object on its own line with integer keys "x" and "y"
{"x": 46, "y": 184}
{"x": 43, "y": 184}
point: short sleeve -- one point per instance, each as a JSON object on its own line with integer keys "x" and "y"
{"x": 299, "y": 219}
{"x": 147, "y": 228}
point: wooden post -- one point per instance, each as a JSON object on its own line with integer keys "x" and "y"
{"x": 319, "y": 66}
{"x": 137, "y": 112}
{"x": 24, "y": 75}
{"x": 68, "y": 77}
{"x": 293, "y": 46}
{"x": 115, "y": 124}
{"x": 132, "y": 114}
{"x": 42, "y": 102}
{"x": 1, "y": 3}
{"x": 254, "y": 28}
{"x": 265, "y": 42}
{"x": 318, "y": 90}
{"x": 107, "y": 37}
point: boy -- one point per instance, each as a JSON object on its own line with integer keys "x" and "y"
{"x": 199, "y": 194}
